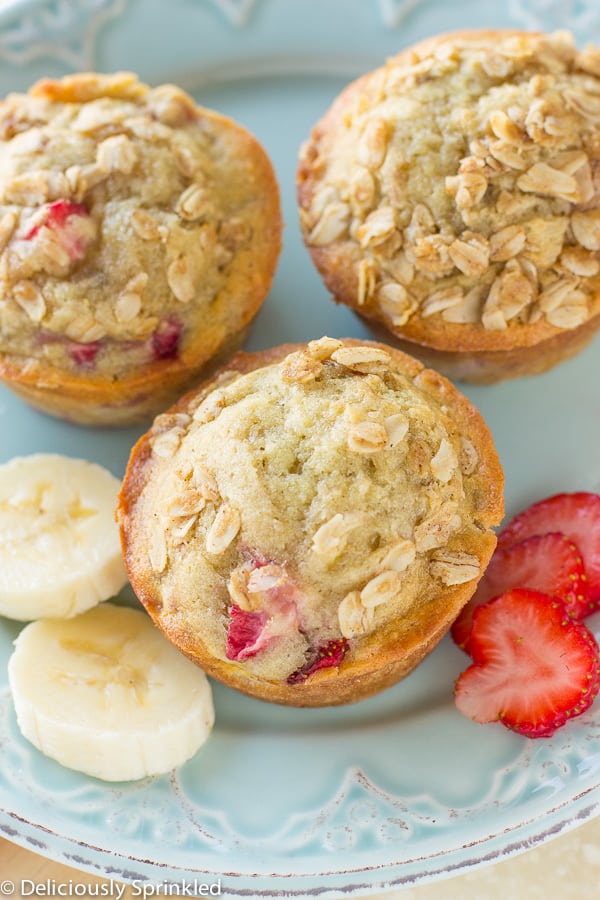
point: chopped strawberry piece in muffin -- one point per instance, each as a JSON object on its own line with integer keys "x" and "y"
{"x": 59, "y": 212}
{"x": 577, "y": 516}
{"x": 273, "y": 599}
{"x": 271, "y": 585}
{"x": 71, "y": 226}
{"x": 329, "y": 655}
{"x": 549, "y": 563}
{"x": 534, "y": 667}
{"x": 276, "y": 606}
{"x": 84, "y": 354}
{"x": 165, "y": 339}
{"x": 246, "y": 634}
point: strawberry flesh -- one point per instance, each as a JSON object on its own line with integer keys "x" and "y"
{"x": 549, "y": 563}
{"x": 165, "y": 339}
{"x": 84, "y": 354}
{"x": 61, "y": 210}
{"x": 246, "y": 634}
{"x": 277, "y": 598}
{"x": 534, "y": 667}
{"x": 63, "y": 217}
{"x": 326, "y": 656}
{"x": 577, "y": 516}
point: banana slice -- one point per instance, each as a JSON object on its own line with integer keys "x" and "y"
{"x": 59, "y": 543}
{"x": 105, "y": 693}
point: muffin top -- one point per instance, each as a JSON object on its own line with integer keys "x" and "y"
{"x": 305, "y": 500}
{"x": 458, "y": 186}
{"x": 134, "y": 225}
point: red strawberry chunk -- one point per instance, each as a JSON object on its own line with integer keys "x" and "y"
{"x": 165, "y": 339}
{"x": 70, "y": 222}
{"x": 549, "y": 563}
{"x": 84, "y": 354}
{"x": 534, "y": 667}
{"x": 326, "y": 656}
{"x": 274, "y": 599}
{"x": 61, "y": 211}
{"x": 575, "y": 515}
{"x": 246, "y": 634}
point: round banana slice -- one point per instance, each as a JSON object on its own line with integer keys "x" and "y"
{"x": 60, "y": 552}
{"x": 106, "y": 694}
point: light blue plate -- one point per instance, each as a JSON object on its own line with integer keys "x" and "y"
{"x": 284, "y": 802}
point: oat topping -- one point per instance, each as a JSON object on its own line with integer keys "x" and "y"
{"x": 302, "y": 367}
{"x": 400, "y": 556}
{"x": 454, "y": 567}
{"x": 381, "y": 589}
{"x": 332, "y": 224}
{"x": 330, "y": 539}
{"x": 157, "y": 551}
{"x": 444, "y": 463}
{"x": 167, "y": 431}
{"x": 464, "y": 184}
{"x": 323, "y": 347}
{"x": 187, "y": 504}
{"x": 355, "y": 619}
{"x": 367, "y": 437}
{"x": 396, "y": 427}
{"x": 223, "y": 529}
{"x": 468, "y": 457}
{"x": 237, "y": 588}
{"x": 361, "y": 359}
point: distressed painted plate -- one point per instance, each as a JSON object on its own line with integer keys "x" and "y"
{"x": 285, "y": 802}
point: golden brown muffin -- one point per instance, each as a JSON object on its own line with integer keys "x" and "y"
{"x": 139, "y": 235}
{"x": 452, "y": 197}
{"x": 308, "y": 524}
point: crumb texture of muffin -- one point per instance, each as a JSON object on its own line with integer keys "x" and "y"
{"x": 453, "y": 197}
{"x": 139, "y": 235}
{"x": 309, "y": 523}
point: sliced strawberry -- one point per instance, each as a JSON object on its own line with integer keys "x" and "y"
{"x": 71, "y": 223}
{"x": 533, "y": 666}
{"x": 165, "y": 339}
{"x": 246, "y": 634}
{"x": 330, "y": 654}
{"x": 549, "y": 563}
{"x": 575, "y": 515}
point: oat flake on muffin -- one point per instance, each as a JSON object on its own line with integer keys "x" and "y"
{"x": 138, "y": 238}
{"x": 453, "y": 196}
{"x": 308, "y": 524}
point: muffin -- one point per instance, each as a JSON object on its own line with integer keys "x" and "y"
{"x": 139, "y": 234}
{"x": 307, "y": 525}
{"x": 452, "y": 199}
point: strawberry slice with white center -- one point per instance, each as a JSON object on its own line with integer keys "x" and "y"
{"x": 71, "y": 225}
{"x": 534, "y": 667}
{"x": 577, "y": 516}
{"x": 549, "y": 563}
